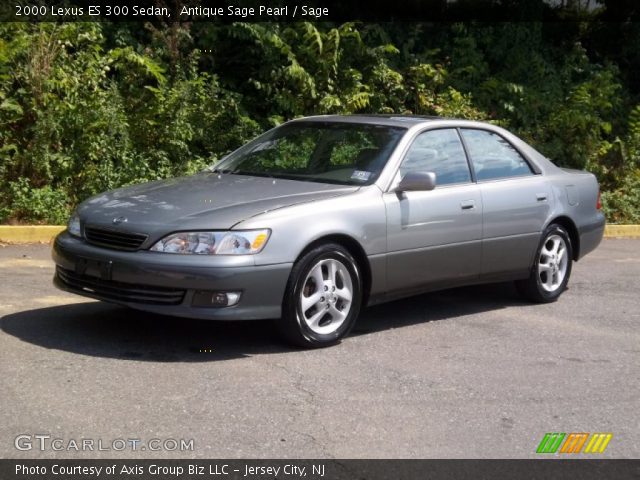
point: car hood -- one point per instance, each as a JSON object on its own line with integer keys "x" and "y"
{"x": 203, "y": 201}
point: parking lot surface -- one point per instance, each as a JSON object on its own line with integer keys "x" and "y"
{"x": 472, "y": 372}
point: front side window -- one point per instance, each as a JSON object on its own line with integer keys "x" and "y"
{"x": 440, "y": 152}
{"x": 341, "y": 153}
{"x": 493, "y": 157}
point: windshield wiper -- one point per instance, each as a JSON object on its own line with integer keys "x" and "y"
{"x": 254, "y": 174}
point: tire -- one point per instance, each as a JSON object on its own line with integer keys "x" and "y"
{"x": 325, "y": 279}
{"x": 552, "y": 267}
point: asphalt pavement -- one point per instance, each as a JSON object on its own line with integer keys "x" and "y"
{"x": 472, "y": 372}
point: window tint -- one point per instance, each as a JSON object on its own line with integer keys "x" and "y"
{"x": 441, "y": 152}
{"x": 493, "y": 157}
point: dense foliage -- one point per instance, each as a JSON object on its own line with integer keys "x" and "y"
{"x": 86, "y": 107}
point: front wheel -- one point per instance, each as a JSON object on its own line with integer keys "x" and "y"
{"x": 552, "y": 268}
{"x": 323, "y": 297}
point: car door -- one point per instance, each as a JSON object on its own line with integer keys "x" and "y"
{"x": 434, "y": 237}
{"x": 516, "y": 203}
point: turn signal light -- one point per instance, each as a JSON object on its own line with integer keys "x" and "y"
{"x": 258, "y": 242}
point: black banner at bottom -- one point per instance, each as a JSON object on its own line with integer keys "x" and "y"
{"x": 318, "y": 469}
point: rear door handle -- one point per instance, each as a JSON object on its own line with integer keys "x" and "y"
{"x": 468, "y": 205}
{"x": 541, "y": 197}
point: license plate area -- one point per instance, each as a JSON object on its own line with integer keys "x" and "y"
{"x": 101, "y": 269}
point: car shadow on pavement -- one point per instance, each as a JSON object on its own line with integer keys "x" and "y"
{"x": 441, "y": 305}
{"x": 105, "y": 330}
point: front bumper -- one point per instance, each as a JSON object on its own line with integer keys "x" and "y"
{"x": 166, "y": 283}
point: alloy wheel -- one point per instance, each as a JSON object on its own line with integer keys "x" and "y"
{"x": 552, "y": 263}
{"x": 326, "y": 296}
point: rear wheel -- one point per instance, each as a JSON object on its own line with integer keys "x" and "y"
{"x": 552, "y": 268}
{"x": 323, "y": 297}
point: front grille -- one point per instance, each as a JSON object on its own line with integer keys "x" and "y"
{"x": 105, "y": 237}
{"x": 119, "y": 291}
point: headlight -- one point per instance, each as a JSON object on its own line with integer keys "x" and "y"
{"x": 238, "y": 242}
{"x": 73, "y": 227}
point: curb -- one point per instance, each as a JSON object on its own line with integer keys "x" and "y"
{"x": 45, "y": 233}
{"x": 29, "y": 233}
{"x": 622, "y": 231}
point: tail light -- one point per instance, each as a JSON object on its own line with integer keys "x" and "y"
{"x": 599, "y": 202}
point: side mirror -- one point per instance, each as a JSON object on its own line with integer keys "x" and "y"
{"x": 417, "y": 181}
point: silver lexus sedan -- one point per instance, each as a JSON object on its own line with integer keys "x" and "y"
{"x": 319, "y": 217}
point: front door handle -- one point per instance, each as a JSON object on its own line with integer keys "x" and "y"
{"x": 468, "y": 205}
{"x": 541, "y": 197}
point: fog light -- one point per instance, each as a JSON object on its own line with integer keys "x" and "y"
{"x": 207, "y": 298}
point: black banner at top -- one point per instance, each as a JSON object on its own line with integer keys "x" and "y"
{"x": 315, "y": 10}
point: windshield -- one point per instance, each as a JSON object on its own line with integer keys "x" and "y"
{"x": 341, "y": 153}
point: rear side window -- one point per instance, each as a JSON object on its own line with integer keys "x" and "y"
{"x": 441, "y": 152}
{"x": 493, "y": 157}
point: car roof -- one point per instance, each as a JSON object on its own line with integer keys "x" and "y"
{"x": 392, "y": 120}
{"x": 538, "y": 161}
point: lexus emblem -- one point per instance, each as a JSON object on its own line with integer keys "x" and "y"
{"x": 119, "y": 220}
